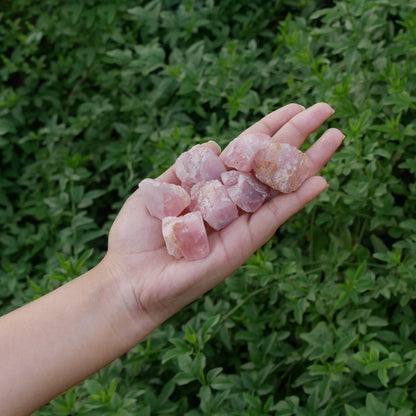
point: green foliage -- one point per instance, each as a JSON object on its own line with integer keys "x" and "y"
{"x": 95, "y": 96}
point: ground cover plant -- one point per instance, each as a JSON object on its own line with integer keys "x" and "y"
{"x": 97, "y": 95}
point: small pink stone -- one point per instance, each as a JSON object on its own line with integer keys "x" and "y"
{"x": 245, "y": 190}
{"x": 163, "y": 199}
{"x": 216, "y": 206}
{"x": 281, "y": 166}
{"x": 199, "y": 164}
{"x": 186, "y": 236}
{"x": 240, "y": 153}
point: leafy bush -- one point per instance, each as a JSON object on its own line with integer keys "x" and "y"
{"x": 97, "y": 95}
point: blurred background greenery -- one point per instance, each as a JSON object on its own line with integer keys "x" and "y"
{"x": 95, "y": 95}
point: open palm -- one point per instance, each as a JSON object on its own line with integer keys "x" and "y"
{"x": 160, "y": 284}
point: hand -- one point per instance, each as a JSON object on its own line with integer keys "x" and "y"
{"x": 159, "y": 284}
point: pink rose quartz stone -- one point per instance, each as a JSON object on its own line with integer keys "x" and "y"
{"x": 163, "y": 199}
{"x": 245, "y": 190}
{"x": 199, "y": 164}
{"x": 281, "y": 166}
{"x": 263, "y": 169}
{"x": 240, "y": 153}
{"x": 186, "y": 236}
{"x": 216, "y": 206}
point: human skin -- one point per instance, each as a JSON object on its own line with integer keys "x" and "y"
{"x": 58, "y": 340}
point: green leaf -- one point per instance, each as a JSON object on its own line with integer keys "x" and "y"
{"x": 208, "y": 326}
{"x": 120, "y": 57}
{"x": 185, "y": 362}
{"x": 409, "y": 224}
{"x": 406, "y": 375}
{"x": 221, "y": 382}
{"x": 351, "y": 411}
{"x": 213, "y": 373}
{"x": 6, "y": 126}
{"x": 172, "y": 353}
{"x": 345, "y": 342}
{"x": 184, "y": 378}
{"x": 375, "y": 406}
{"x": 252, "y": 401}
{"x": 376, "y": 321}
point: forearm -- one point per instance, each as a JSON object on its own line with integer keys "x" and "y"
{"x": 60, "y": 339}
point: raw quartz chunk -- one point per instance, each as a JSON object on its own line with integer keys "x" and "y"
{"x": 264, "y": 168}
{"x": 163, "y": 199}
{"x": 199, "y": 164}
{"x": 185, "y": 236}
{"x": 216, "y": 206}
{"x": 240, "y": 153}
{"x": 245, "y": 190}
{"x": 281, "y": 166}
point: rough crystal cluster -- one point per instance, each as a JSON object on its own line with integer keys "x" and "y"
{"x": 212, "y": 200}
{"x": 241, "y": 152}
{"x": 198, "y": 164}
{"x": 163, "y": 199}
{"x": 215, "y": 189}
{"x": 281, "y": 166}
{"x": 245, "y": 190}
{"x": 185, "y": 236}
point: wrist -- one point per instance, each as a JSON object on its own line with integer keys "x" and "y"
{"x": 130, "y": 322}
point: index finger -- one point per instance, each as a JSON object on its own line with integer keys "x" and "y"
{"x": 273, "y": 121}
{"x": 299, "y": 127}
{"x": 269, "y": 125}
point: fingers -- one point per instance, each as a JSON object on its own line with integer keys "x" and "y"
{"x": 289, "y": 124}
{"x": 250, "y": 232}
{"x": 169, "y": 176}
{"x": 283, "y": 206}
{"x": 269, "y": 124}
{"x": 272, "y": 122}
{"x": 322, "y": 150}
{"x": 298, "y": 128}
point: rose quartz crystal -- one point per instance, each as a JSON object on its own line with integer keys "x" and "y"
{"x": 263, "y": 169}
{"x": 281, "y": 166}
{"x": 163, "y": 199}
{"x": 199, "y": 164}
{"x": 216, "y": 206}
{"x": 185, "y": 236}
{"x": 240, "y": 153}
{"x": 245, "y": 190}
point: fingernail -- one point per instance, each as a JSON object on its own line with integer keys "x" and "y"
{"x": 218, "y": 147}
{"x": 303, "y": 107}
